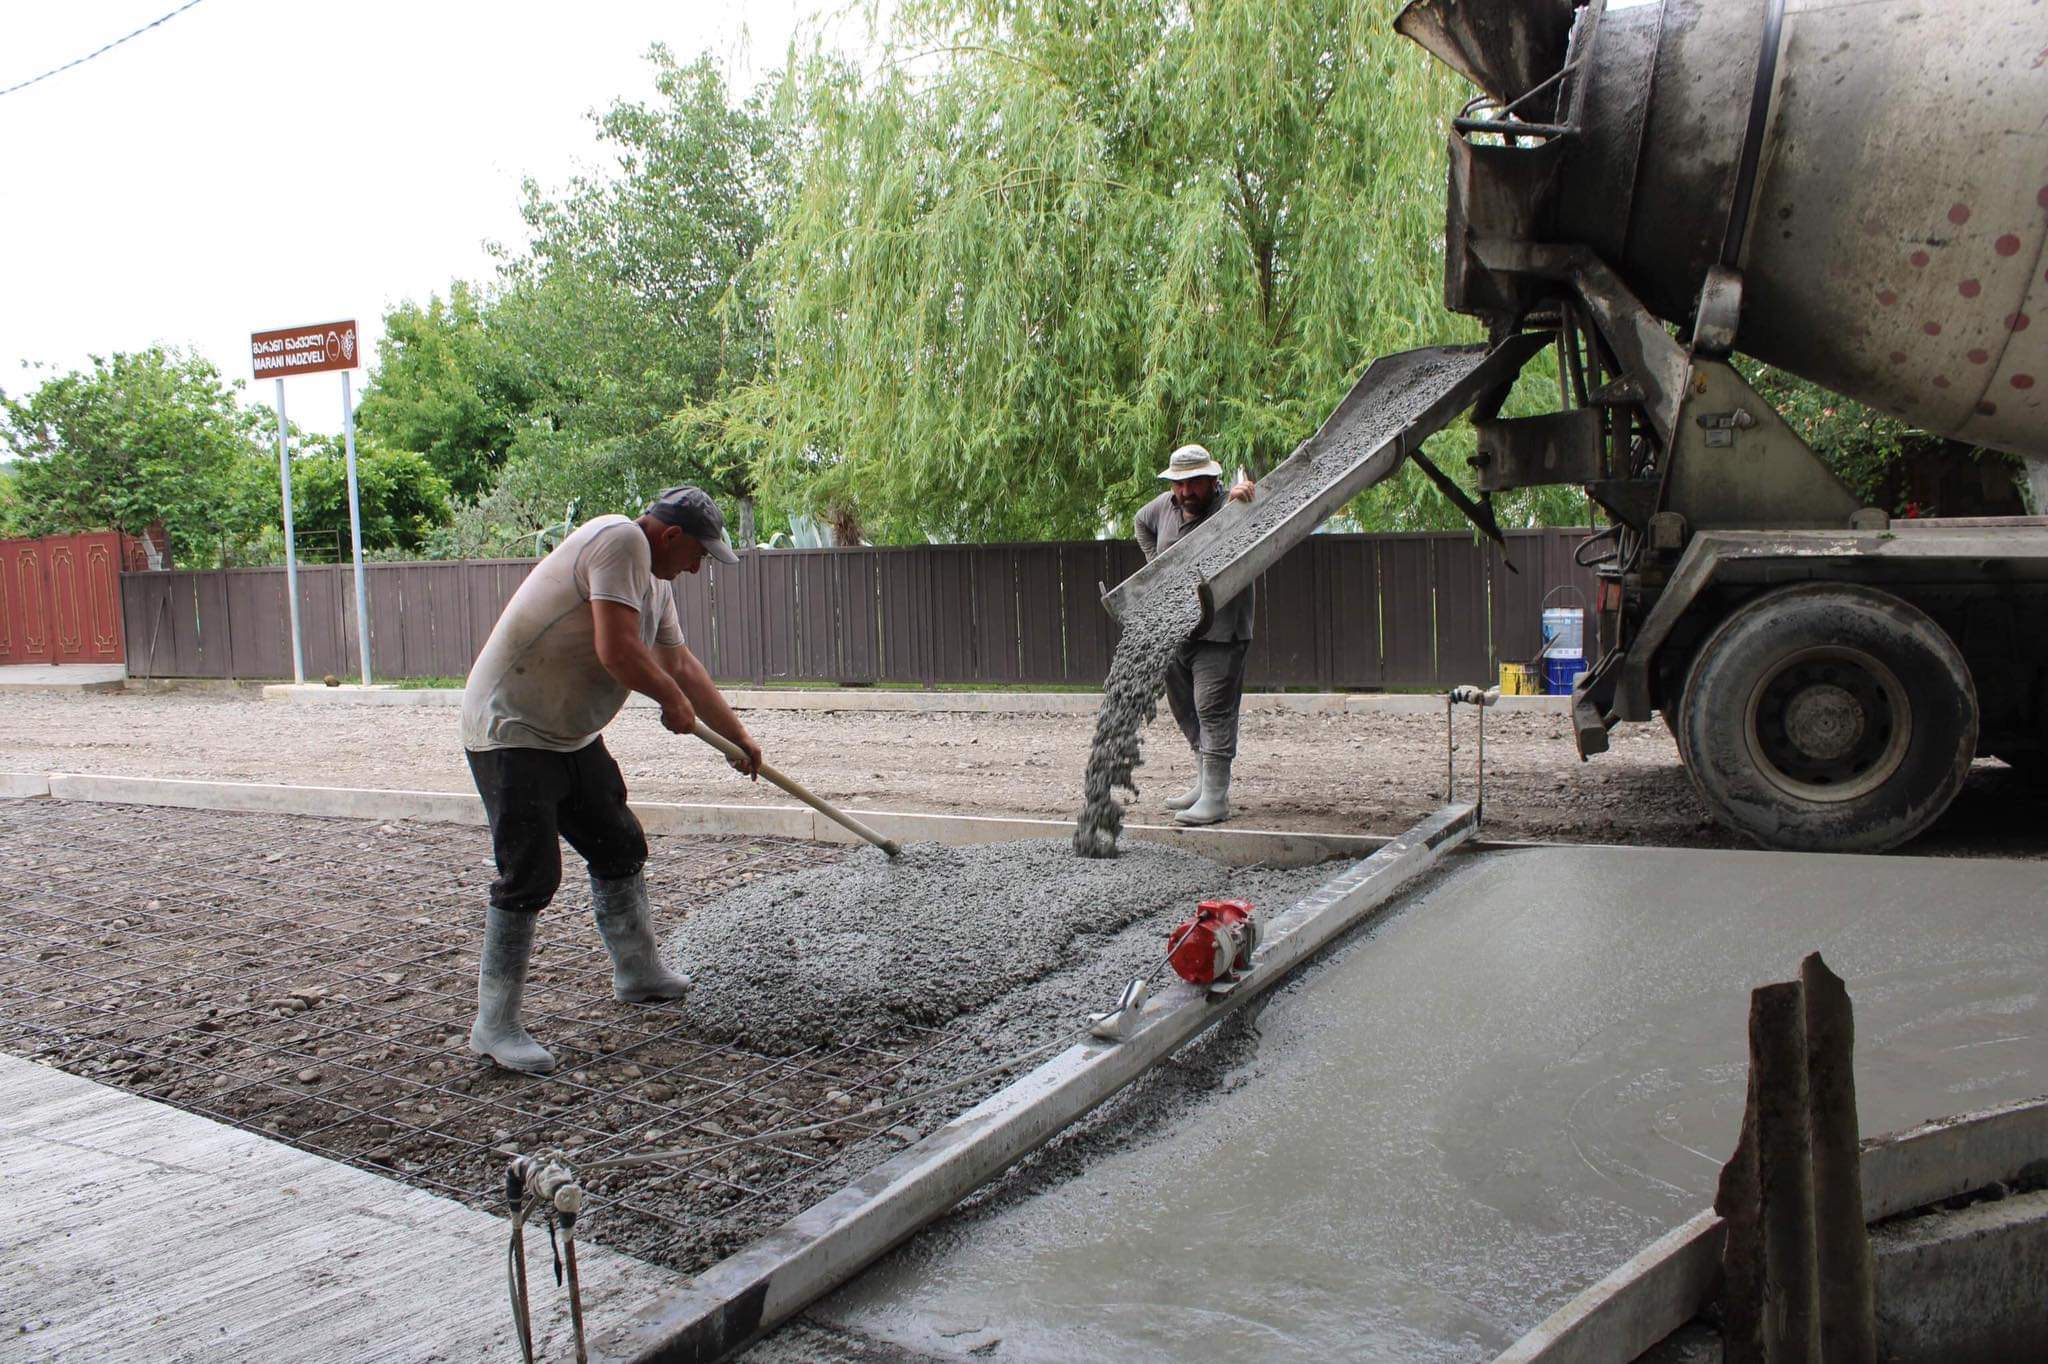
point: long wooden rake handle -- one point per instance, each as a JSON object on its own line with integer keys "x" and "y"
{"x": 796, "y": 788}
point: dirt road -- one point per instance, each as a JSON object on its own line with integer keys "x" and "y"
{"x": 1369, "y": 773}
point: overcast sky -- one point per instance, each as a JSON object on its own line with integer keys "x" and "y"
{"x": 253, "y": 165}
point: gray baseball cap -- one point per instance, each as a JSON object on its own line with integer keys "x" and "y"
{"x": 692, "y": 511}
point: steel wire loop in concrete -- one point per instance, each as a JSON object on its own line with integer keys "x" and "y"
{"x": 314, "y": 979}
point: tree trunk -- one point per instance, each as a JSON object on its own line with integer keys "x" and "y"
{"x": 845, "y": 524}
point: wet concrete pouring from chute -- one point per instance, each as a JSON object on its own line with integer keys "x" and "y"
{"x": 1157, "y": 621}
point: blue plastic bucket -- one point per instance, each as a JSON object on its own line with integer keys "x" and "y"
{"x": 1564, "y": 632}
{"x": 1559, "y": 672}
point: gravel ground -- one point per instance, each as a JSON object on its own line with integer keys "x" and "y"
{"x": 1326, "y": 773}
{"x": 313, "y": 980}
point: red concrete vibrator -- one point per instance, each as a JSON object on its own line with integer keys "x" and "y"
{"x": 1214, "y": 947}
{"x": 1211, "y": 951}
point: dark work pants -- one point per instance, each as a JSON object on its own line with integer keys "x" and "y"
{"x": 1204, "y": 688}
{"x": 533, "y": 794}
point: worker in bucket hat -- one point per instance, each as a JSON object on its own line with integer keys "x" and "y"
{"x": 1205, "y": 679}
{"x": 595, "y": 621}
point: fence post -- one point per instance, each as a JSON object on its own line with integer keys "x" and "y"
{"x": 227, "y": 623}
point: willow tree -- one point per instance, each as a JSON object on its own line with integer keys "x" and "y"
{"x": 1051, "y": 240}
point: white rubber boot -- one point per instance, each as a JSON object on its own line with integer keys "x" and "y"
{"x": 620, "y": 907}
{"x": 1194, "y": 793}
{"x": 500, "y": 981}
{"x": 1214, "y": 806}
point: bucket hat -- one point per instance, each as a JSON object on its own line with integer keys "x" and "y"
{"x": 1190, "y": 461}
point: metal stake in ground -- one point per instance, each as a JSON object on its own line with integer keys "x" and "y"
{"x": 796, "y": 788}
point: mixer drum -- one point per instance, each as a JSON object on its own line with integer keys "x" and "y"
{"x": 1877, "y": 172}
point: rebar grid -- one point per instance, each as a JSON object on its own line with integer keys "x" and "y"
{"x": 313, "y": 980}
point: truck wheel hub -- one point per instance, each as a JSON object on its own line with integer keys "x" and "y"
{"x": 1824, "y": 722}
{"x": 1829, "y": 724}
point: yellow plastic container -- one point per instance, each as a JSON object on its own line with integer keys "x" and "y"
{"x": 1520, "y": 679}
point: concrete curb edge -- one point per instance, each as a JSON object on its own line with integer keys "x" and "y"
{"x": 939, "y": 702}
{"x": 1662, "y": 1286}
{"x": 1236, "y": 846}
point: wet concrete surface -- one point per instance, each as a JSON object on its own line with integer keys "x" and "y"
{"x": 1438, "y": 1135}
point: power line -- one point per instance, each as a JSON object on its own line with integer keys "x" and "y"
{"x": 80, "y": 61}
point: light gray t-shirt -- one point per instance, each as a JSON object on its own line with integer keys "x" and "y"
{"x": 538, "y": 682}
{"x": 1159, "y": 525}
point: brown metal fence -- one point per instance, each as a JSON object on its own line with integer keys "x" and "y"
{"x": 58, "y": 598}
{"x": 1339, "y": 612}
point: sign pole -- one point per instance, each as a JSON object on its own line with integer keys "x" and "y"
{"x": 314, "y": 349}
{"x": 355, "y": 525}
{"x": 291, "y": 558}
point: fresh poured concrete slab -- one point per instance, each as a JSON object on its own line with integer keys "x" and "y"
{"x": 1478, "y": 1108}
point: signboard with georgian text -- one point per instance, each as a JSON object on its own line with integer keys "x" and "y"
{"x": 305, "y": 350}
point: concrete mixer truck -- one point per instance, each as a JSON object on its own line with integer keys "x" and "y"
{"x": 1856, "y": 193}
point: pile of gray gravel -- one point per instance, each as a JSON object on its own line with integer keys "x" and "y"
{"x": 1021, "y": 939}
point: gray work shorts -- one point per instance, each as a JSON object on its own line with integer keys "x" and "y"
{"x": 1204, "y": 687}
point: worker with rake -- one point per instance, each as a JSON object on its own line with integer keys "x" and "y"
{"x": 1205, "y": 678}
{"x": 593, "y": 621}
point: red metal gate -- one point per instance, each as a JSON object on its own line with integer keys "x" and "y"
{"x": 60, "y": 598}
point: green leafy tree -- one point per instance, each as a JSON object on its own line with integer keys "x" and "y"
{"x": 10, "y": 499}
{"x": 402, "y": 497}
{"x": 501, "y": 523}
{"x": 1054, "y": 240}
{"x": 630, "y": 308}
{"x": 446, "y": 388}
{"x": 1886, "y": 462}
{"x": 136, "y": 438}
{"x": 580, "y": 373}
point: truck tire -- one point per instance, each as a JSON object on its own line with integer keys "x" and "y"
{"x": 1828, "y": 717}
